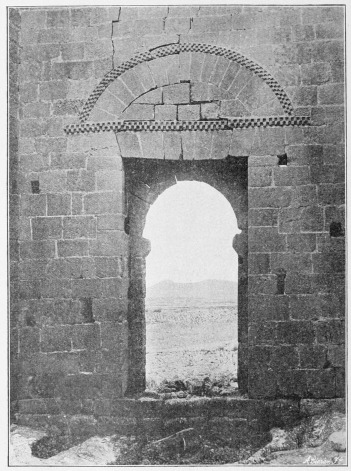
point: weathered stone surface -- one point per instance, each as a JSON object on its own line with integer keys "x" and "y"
{"x": 338, "y": 440}
{"x": 129, "y": 145}
{"x": 313, "y": 407}
{"x": 33, "y": 205}
{"x": 58, "y": 205}
{"x": 191, "y": 112}
{"x": 46, "y": 228}
{"x": 329, "y": 262}
{"x": 312, "y": 219}
{"x": 102, "y": 203}
{"x": 301, "y": 242}
{"x": 264, "y": 307}
{"x": 262, "y": 284}
{"x": 270, "y": 197}
{"x": 152, "y": 145}
{"x": 55, "y": 339}
{"x": 312, "y": 356}
{"x": 259, "y": 263}
{"x": 263, "y": 217}
{"x": 299, "y": 263}
{"x": 315, "y": 307}
{"x": 176, "y": 94}
{"x": 336, "y": 355}
{"x": 260, "y": 176}
{"x": 266, "y": 239}
{"x": 110, "y": 244}
{"x": 167, "y": 112}
{"x": 86, "y": 337}
{"x": 78, "y": 227}
{"x": 295, "y": 332}
{"x": 172, "y": 145}
{"x": 331, "y": 332}
{"x": 37, "y": 250}
{"x": 72, "y": 248}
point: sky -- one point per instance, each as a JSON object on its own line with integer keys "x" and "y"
{"x": 191, "y": 226}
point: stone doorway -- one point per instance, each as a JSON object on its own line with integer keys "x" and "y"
{"x": 145, "y": 180}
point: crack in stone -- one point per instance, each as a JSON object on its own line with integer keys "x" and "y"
{"x": 139, "y": 197}
{"x": 113, "y": 48}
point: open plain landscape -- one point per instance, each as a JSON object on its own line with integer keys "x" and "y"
{"x": 191, "y": 332}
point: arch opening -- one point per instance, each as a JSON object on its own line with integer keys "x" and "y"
{"x": 191, "y": 290}
{"x": 145, "y": 180}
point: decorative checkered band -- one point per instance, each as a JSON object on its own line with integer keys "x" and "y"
{"x": 200, "y": 125}
{"x": 176, "y": 48}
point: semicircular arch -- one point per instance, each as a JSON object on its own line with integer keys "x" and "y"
{"x": 126, "y": 72}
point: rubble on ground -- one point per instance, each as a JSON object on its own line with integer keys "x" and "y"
{"x": 195, "y": 387}
{"x": 318, "y": 439}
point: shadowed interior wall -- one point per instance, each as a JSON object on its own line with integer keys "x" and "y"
{"x": 276, "y": 98}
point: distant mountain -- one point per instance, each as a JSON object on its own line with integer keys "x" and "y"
{"x": 207, "y": 289}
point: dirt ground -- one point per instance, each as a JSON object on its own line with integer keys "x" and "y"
{"x": 190, "y": 339}
{"x": 317, "y": 441}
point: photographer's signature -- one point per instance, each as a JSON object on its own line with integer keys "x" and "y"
{"x": 322, "y": 461}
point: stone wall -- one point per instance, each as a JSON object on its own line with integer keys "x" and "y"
{"x": 277, "y": 100}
